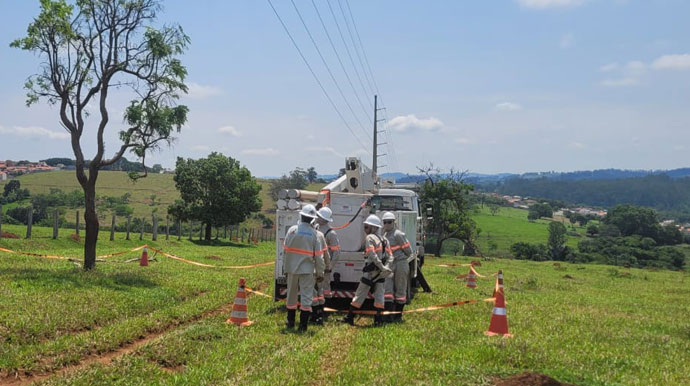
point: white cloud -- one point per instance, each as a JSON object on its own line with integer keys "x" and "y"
{"x": 201, "y": 148}
{"x": 609, "y": 67}
{"x": 672, "y": 62}
{"x": 264, "y": 151}
{"x": 622, "y": 82}
{"x": 576, "y": 145}
{"x": 635, "y": 68}
{"x": 198, "y": 91}
{"x": 33, "y": 131}
{"x": 463, "y": 140}
{"x": 544, "y": 4}
{"x": 508, "y": 106}
{"x": 567, "y": 40}
{"x": 410, "y": 123}
{"x": 230, "y": 130}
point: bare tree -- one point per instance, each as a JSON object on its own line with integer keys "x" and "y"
{"x": 89, "y": 49}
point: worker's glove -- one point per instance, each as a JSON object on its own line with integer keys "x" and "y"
{"x": 386, "y": 272}
{"x": 327, "y": 271}
{"x": 319, "y": 279}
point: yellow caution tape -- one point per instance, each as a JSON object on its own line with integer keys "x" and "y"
{"x": 178, "y": 258}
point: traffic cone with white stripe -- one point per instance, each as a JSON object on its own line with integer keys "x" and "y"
{"x": 239, "y": 307}
{"x": 144, "y": 261}
{"x": 499, "y": 283}
{"x": 472, "y": 278}
{"x": 499, "y": 320}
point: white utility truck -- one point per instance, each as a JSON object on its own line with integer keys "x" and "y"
{"x": 352, "y": 197}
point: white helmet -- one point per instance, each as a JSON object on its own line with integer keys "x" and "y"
{"x": 373, "y": 220}
{"x": 325, "y": 214}
{"x": 308, "y": 210}
{"x": 388, "y": 216}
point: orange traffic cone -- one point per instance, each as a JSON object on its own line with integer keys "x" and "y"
{"x": 239, "y": 307}
{"x": 144, "y": 262}
{"x": 499, "y": 283}
{"x": 499, "y": 320}
{"x": 472, "y": 278}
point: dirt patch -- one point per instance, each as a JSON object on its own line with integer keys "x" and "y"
{"x": 214, "y": 258}
{"x": 568, "y": 277}
{"x": 108, "y": 357}
{"x": 530, "y": 379}
{"x": 76, "y": 237}
{"x": 8, "y": 235}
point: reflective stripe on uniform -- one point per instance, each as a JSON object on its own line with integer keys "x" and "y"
{"x": 298, "y": 251}
{"x": 499, "y": 310}
{"x": 372, "y": 249}
{"x": 334, "y": 247}
{"x": 396, "y": 247}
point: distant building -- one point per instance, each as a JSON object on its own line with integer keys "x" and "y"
{"x": 3, "y": 176}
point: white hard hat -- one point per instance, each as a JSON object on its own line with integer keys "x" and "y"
{"x": 388, "y": 216}
{"x": 325, "y": 214}
{"x": 308, "y": 210}
{"x": 373, "y": 220}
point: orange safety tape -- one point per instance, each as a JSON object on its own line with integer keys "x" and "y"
{"x": 210, "y": 265}
{"x": 450, "y": 265}
{"x": 373, "y": 312}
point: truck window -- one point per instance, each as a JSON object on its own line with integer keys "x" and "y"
{"x": 391, "y": 203}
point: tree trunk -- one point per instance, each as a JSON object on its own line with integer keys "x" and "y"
{"x": 91, "y": 223}
{"x": 439, "y": 245}
{"x": 209, "y": 230}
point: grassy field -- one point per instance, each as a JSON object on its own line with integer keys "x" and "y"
{"x": 165, "y": 324}
{"x": 510, "y": 225}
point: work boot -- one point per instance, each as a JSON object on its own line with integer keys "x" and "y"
{"x": 399, "y": 308}
{"x": 350, "y": 317}
{"x": 303, "y": 321}
{"x": 290, "y": 322}
{"x": 317, "y": 315}
{"x": 378, "y": 318}
{"x": 390, "y": 306}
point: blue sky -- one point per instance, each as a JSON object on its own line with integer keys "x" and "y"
{"x": 484, "y": 86}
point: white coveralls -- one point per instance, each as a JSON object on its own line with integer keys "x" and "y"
{"x": 399, "y": 248}
{"x": 302, "y": 260}
{"x": 319, "y": 289}
{"x": 334, "y": 253}
{"x": 374, "y": 257}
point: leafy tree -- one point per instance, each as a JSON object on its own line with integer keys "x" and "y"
{"x": 312, "y": 175}
{"x": 592, "y": 229}
{"x": 11, "y": 187}
{"x": 296, "y": 180}
{"x": 527, "y": 251}
{"x": 539, "y": 210}
{"x": 86, "y": 51}
{"x": 633, "y": 220}
{"x": 449, "y": 198}
{"x": 609, "y": 230}
{"x": 557, "y": 239}
{"x": 216, "y": 191}
{"x": 494, "y": 209}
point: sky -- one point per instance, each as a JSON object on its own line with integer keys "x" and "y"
{"x": 484, "y": 86}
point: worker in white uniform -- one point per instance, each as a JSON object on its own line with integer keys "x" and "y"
{"x": 303, "y": 264}
{"x": 374, "y": 272}
{"x": 318, "y": 301}
{"x": 323, "y": 220}
{"x": 400, "y": 250}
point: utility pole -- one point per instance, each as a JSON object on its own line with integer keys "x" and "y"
{"x": 374, "y": 162}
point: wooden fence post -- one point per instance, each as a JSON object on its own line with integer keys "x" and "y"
{"x": 141, "y": 231}
{"x": 179, "y": 230}
{"x": 167, "y": 228}
{"x": 129, "y": 218}
{"x": 30, "y": 220}
{"x": 155, "y": 227}
{"x": 55, "y": 225}
{"x": 112, "y": 229}
{"x": 76, "y": 227}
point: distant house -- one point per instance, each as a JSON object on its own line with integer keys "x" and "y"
{"x": 3, "y": 176}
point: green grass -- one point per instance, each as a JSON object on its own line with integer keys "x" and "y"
{"x": 604, "y": 325}
{"x": 510, "y": 225}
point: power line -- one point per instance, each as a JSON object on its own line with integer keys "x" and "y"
{"x": 354, "y": 45}
{"x": 359, "y": 100}
{"x": 294, "y": 43}
{"x": 347, "y": 49}
{"x": 329, "y": 69}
